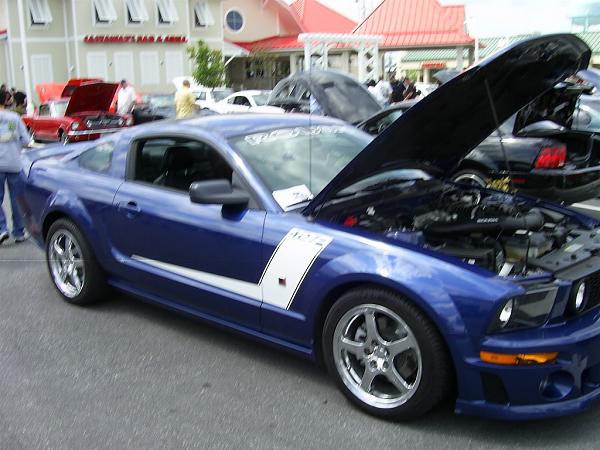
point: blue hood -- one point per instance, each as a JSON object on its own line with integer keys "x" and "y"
{"x": 441, "y": 129}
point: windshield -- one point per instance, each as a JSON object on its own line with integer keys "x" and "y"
{"x": 261, "y": 99}
{"x": 297, "y": 163}
{"x": 160, "y": 101}
{"x": 60, "y": 108}
{"x": 221, "y": 94}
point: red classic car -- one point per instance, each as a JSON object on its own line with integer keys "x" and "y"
{"x": 80, "y": 113}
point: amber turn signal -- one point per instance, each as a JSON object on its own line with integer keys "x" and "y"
{"x": 515, "y": 359}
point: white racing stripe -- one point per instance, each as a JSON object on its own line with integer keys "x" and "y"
{"x": 283, "y": 274}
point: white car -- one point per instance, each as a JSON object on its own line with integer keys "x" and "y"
{"x": 246, "y": 101}
{"x": 205, "y": 97}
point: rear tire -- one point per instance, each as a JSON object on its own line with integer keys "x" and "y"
{"x": 385, "y": 355}
{"x": 72, "y": 265}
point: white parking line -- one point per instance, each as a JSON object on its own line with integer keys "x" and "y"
{"x": 584, "y": 206}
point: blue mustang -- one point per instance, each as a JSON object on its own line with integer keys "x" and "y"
{"x": 303, "y": 233}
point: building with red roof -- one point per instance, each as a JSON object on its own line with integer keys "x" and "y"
{"x": 402, "y": 25}
{"x": 406, "y": 24}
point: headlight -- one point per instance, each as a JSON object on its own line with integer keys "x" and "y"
{"x": 121, "y": 122}
{"x": 88, "y": 123}
{"x": 578, "y": 299}
{"x": 506, "y": 313}
{"x": 75, "y": 125}
{"x": 527, "y": 311}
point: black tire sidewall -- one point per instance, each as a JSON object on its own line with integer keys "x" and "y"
{"x": 435, "y": 378}
{"x": 94, "y": 282}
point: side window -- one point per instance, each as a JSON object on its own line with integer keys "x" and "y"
{"x": 176, "y": 163}
{"x": 286, "y": 90}
{"x": 241, "y": 100}
{"x": 98, "y": 158}
{"x": 231, "y": 100}
{"x": 44, "y": 110}
{"x": 201, "y": 96}
{"x": 305, "y": 94}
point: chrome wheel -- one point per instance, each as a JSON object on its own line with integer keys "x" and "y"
{"x": 471, "y": 178}
{"x": 377, "y": 356}
{"x": 66, "y": 263}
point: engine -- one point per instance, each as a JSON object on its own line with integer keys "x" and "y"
{"x": 495, "y": 231}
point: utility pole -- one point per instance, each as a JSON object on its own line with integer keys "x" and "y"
{"x": 362, "y": 7}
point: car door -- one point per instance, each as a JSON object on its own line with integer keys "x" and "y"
{"x": 41, "y": 123}
{"x": 199, "y": 256}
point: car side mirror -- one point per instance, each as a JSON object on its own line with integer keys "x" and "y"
{"x": 218, "y": 192}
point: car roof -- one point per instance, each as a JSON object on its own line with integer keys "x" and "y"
{"x": 250, "y": 92}
{"x": 320, "y": 76}
{"x": 230, "y": 125}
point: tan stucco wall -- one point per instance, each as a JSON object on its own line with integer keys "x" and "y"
{"x": 259, "y": 22}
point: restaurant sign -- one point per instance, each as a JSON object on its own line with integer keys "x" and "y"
{"x": 133, "y": 39}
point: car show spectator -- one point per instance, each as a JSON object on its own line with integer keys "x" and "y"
{"x": 185, "y": 101}
{"x": 5, "y": 96}
{"x": 13, "y": 137}
{"x": 397, "y": 90}
{"x": 19, "y": 104}
{"x": 410, "y": 91}
{"x": 125, "y": 98}
{"x": 383, "y": 91}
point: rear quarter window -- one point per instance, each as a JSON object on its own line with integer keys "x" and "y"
{"x": 98, "y": 158}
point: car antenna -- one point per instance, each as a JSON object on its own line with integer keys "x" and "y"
{"x": 497, "y": 124}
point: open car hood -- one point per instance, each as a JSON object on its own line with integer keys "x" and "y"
{"x": 74, "y": 83}
{"x": 447, "y": 124}
{"x": 91, "y": 97}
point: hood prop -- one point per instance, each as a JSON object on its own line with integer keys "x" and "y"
{"x": 500, "y": 136}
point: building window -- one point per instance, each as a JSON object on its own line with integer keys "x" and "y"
{"x": 202, "y": 14}
{"x": 234, "y": 20}
{"x": 167, "y": 13}
{"x": 136, "y": 11}
{"x": 104, "y": 11}
{"x": 39, "y": 12}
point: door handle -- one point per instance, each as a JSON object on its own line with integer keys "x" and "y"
{"x": 131, "y": 208}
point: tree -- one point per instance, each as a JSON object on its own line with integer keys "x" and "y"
{"x": 209, "y": 68}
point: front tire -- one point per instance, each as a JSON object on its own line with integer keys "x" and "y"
{"x": 73, "y": 268}
{"x": 385, "y": 355}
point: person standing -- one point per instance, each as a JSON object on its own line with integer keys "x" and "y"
{"x": 410, "y": 91}
{"x": 383, "y": 91}
{"x": 13, "y": 137}
{"x": 185, "y": 101}
{"x": 125, "y": 98}
{"x": 397, "y": 90}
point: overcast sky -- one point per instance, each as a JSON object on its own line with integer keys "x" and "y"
{"x": 499, "y": 17}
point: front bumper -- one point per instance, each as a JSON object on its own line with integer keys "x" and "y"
{"x": 566, "y": 386}
{"x": 562, "y": 185}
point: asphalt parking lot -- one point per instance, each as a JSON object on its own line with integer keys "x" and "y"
{"x": 123, "y": 374}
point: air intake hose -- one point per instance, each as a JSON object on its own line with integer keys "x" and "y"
{"x": 533, "y": 220}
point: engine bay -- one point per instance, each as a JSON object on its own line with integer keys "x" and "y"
{"x": 496, "y": 231}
